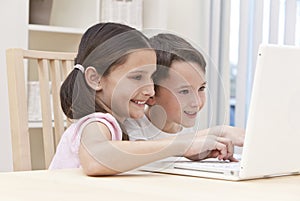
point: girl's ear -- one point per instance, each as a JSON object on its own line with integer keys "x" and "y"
{"x": 151, "y": 101}
{"x": 93, "y": 78}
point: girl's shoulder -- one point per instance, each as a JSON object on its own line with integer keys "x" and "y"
{"x": 103, "y": 119}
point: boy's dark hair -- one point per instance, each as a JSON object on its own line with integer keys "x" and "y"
{"x": 103, "y": 46}
{"x": 170, "y": 48}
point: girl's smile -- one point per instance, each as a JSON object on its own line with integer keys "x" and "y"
{"x": 127, "y": 88}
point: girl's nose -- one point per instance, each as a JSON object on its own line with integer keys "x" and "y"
{"x": 148, "y": 90}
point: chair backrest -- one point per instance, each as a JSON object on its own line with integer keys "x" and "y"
{"x": 53, "y": 67}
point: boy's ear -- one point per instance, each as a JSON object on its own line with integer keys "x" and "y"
{"x": 151, "y": 101}
{"x": 93, "y": 78}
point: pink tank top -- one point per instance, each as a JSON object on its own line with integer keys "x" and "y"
{"x": 66, "y": 155}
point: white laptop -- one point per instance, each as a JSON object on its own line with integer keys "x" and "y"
{"x": 272, "y": 138}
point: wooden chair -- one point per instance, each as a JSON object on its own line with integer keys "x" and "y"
{"x": 53, "y": 68}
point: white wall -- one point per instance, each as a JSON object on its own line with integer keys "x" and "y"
{"x": 183, "y": 17}
{"x": 13, "y": 24}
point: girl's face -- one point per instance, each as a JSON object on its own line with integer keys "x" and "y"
{"x": 181, "y": 95}
{"x": 128, "y": 86}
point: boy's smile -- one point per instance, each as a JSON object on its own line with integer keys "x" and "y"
{"x": 181, "y": 94}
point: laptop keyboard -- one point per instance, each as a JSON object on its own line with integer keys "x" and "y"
{"x": 214, "y": 164}
{"x": 207, "y": 165}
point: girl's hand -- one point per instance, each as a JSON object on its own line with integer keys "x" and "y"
{"x": 225, "y": 136}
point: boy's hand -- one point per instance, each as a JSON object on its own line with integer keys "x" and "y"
{"x": 235, "y": 134}
{"x": 210, "y": 146}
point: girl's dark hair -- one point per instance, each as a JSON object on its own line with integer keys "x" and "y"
{"x": 103, "y": 46}
{"x": 170, "y": 48}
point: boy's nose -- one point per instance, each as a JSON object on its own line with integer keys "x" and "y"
{"x": 197, "y": 102}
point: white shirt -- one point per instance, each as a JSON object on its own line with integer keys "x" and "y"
{"x": 143, "y": 129}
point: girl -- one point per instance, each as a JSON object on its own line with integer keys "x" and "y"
{"x": 112, "y": 81}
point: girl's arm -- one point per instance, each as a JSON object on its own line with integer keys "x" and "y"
{"x": 99, "y": 155}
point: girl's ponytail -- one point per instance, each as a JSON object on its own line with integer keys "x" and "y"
{"x": 77, "y": 98}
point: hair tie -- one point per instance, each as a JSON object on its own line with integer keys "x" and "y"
{"x": 79, "y": 67}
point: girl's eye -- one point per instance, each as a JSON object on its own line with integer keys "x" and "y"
{"x": 202, "y": 88}
{"x": 137, "y": 77}
{"x": 184, "y": 91}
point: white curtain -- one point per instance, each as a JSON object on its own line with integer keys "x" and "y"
{"x": 215, "y": 45}
{"x": 261, "y": 21}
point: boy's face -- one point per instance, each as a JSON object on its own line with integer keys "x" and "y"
{"x": 182, "y": 94}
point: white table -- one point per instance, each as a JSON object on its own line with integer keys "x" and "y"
{"x": 73, "y": 185}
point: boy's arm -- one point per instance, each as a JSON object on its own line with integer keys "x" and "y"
{"x": 235, "y": 134}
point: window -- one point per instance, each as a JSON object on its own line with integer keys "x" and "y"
{"x": 253, "y": 22}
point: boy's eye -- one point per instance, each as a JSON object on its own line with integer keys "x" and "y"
{"x": 202, "y": 88}
{"x": 184, "y": 91}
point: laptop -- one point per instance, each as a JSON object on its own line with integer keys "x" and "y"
{"x": 272, "y": 137}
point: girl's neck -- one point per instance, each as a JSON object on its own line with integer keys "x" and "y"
{"x": 107, "y": 109}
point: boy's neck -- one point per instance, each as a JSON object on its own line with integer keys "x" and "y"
{"x": 158, "y": 118}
